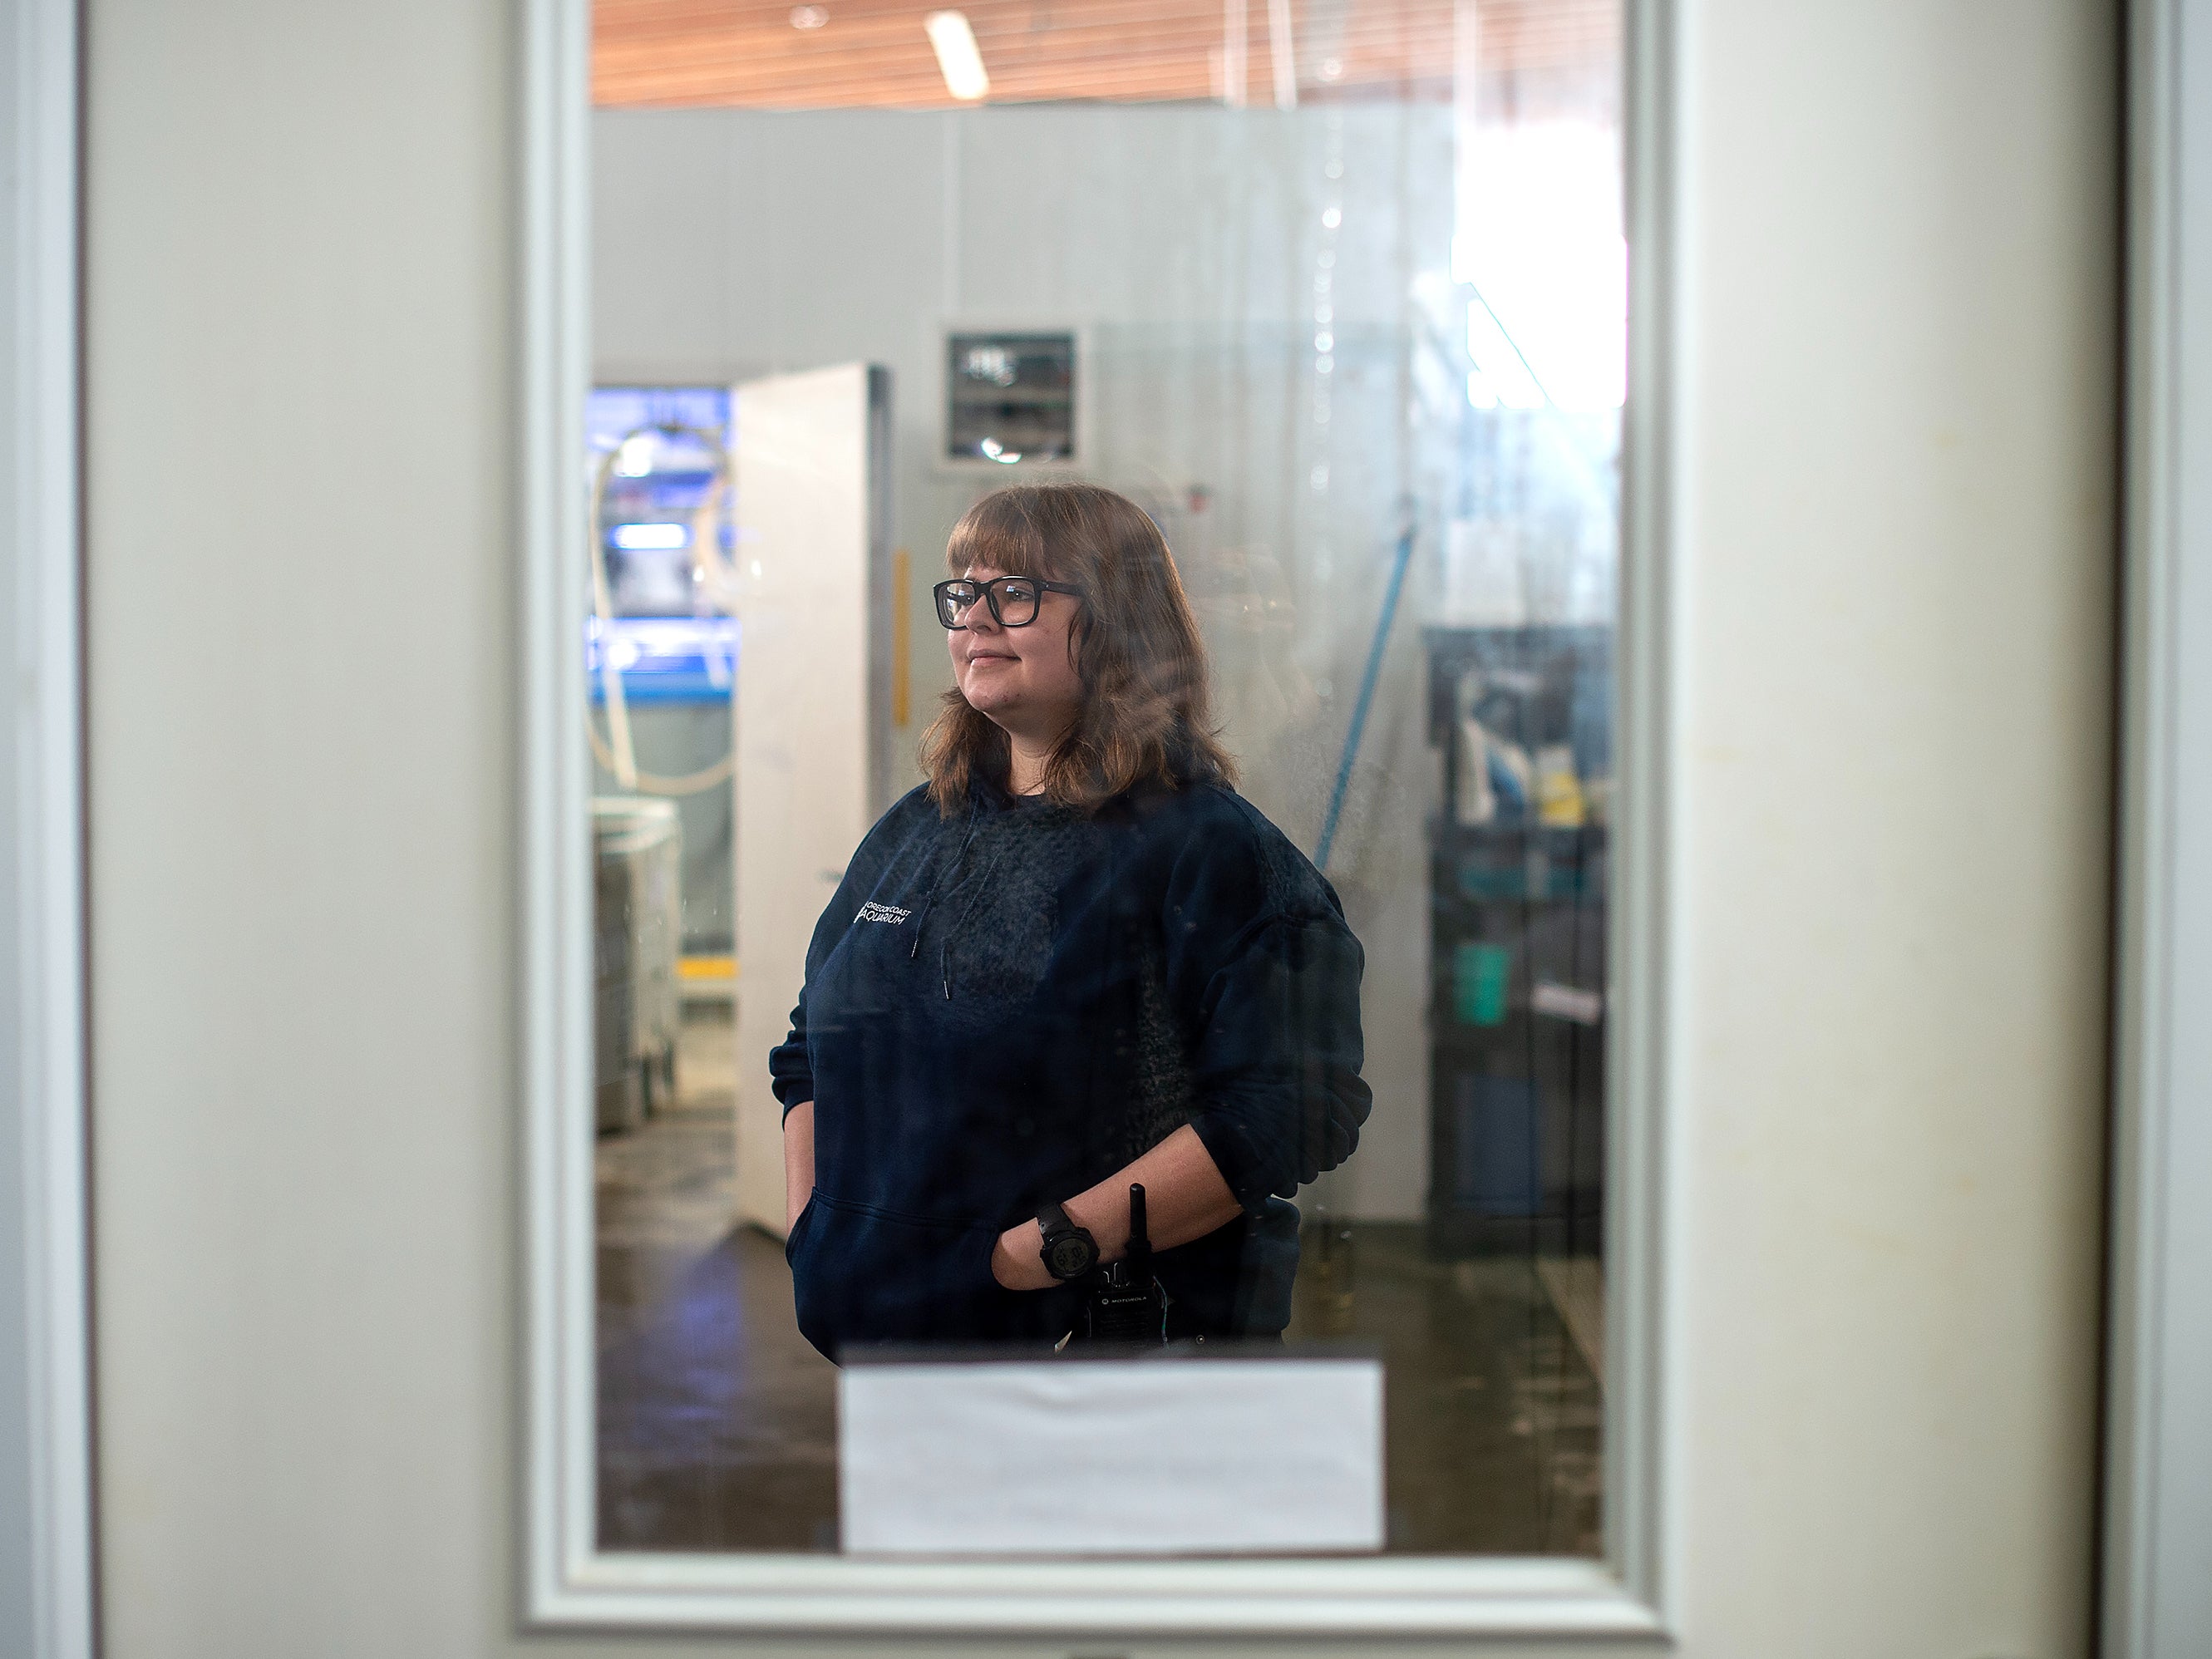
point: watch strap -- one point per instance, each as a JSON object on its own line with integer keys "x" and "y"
{"x": 1053, "y": 1223}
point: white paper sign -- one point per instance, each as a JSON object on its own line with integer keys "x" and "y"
{"x": 1150, "y": 1456}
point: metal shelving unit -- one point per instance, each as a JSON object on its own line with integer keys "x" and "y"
{"x": 1517, "y": 935}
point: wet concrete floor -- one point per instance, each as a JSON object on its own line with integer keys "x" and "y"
{"x": 717, "y": 1423}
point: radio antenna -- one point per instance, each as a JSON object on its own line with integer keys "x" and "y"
{"x": 1140, "y": 1245}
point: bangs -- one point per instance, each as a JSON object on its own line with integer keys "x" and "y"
{"x": 999, "y": 534}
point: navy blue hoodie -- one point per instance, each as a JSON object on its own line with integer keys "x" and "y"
{"x": 1012, "y": 1004}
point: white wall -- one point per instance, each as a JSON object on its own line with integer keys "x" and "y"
{"x": 1902, "y": 283}
{"x": 1900, "y": 264}
{"x": 302, "y": 752}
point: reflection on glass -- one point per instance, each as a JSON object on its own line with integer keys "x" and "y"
{"x": 1336, "y": 296}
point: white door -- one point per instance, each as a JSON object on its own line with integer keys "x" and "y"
{"x": 813, "y": 703}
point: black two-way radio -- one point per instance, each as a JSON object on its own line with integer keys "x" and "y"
{"x": 1128, "y": 1304}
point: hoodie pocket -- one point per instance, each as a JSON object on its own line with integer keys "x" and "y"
{"x": 798, "y": 1226}
{"x": 864, "y": 1274}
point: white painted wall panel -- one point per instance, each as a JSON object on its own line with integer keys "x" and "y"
{"x": 302, "y": 744}
{"x": 659, "y": 212}
{"x": 1902, "y": 260}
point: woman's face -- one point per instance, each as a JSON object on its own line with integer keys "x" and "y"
{"x": 1023, "y": 678}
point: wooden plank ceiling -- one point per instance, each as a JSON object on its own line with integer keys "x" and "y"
{"x": 842, "y": 54}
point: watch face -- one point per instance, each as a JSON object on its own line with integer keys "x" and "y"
{"x": 1065, "y": 1257}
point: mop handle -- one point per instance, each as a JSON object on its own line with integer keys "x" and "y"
{"x": 1404, "y": 558}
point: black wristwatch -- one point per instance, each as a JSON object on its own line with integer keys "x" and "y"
{"x": 1069, "y": 1252}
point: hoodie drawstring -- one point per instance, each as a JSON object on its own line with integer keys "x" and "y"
{"x": 944, "y": 954}
{"x": 929, "y": 903}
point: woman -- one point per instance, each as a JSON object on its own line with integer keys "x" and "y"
{"x": 1074, "y": 960}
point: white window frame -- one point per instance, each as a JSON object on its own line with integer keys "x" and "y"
{"x": 46, "y": 1517}
{"x": 1625, "y": 1597}
{"x": 2159, "y": 1474}
{"x": 2157, "y": 1600}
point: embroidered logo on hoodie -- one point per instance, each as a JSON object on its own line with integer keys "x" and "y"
{"x": 872, "y": 911}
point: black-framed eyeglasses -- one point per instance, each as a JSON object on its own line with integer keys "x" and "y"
{"x": 1013, "y": 600}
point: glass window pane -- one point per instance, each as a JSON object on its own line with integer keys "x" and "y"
{"x": 1335, "y": 295}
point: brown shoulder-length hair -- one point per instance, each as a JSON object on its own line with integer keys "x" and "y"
{"x": 1146, "y": 714}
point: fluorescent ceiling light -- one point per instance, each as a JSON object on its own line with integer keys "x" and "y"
{"x": 956, "y": 56}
